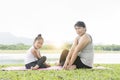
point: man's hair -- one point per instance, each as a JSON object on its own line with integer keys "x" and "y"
{"x": 80, "y": 24}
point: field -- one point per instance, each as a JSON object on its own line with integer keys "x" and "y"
{"x": 78, "y": 74}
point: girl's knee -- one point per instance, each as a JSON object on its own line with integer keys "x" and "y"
{"x": 44, "y": 58}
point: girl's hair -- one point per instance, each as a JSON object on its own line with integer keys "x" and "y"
{"x": 38, "y": 37}
{"x": 80, "y": 24}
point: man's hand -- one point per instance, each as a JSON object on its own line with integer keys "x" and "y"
{"x": 65, "y": 66}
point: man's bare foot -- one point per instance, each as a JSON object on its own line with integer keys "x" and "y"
{"x": 35, "y": 68}
{"x": 72, "y": 67}
{"x": 57, "y": 64}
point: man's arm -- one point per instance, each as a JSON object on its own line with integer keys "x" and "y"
{"x": 84, "y": 41}
{"x": 70, "y": 53}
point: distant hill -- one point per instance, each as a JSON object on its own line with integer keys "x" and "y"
{"x": 8, "y": 38}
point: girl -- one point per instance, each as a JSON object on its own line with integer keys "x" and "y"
{"x": 33, "y": 59}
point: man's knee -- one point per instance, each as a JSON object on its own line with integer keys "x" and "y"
{"x": 64, "y": 53}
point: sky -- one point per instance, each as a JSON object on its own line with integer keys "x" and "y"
{"x": 55, "y": 19}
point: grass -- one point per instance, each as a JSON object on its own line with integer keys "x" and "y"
{"x": 78, "y": 74}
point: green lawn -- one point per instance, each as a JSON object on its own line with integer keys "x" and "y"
{"x": 79, "y": 74}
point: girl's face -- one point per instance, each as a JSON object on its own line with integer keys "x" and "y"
{"x": 38, "y": 43}
{"x": 80, "y": 30}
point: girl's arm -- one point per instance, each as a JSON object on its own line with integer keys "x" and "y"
{"x": 39, "y": 54}
{"x": 84, "y": 41}
{"x": 36, "y": 53}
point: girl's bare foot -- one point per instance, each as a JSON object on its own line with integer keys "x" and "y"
{"x": 35, "y": 68}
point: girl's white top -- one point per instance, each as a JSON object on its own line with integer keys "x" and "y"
{"x": 29, "y": 57}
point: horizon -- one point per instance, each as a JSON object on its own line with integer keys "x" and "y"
{"x": 55, "y": 19}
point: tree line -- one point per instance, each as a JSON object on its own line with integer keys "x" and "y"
{"x": 22, "y": 46}
{"x": 112, "y": 47}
